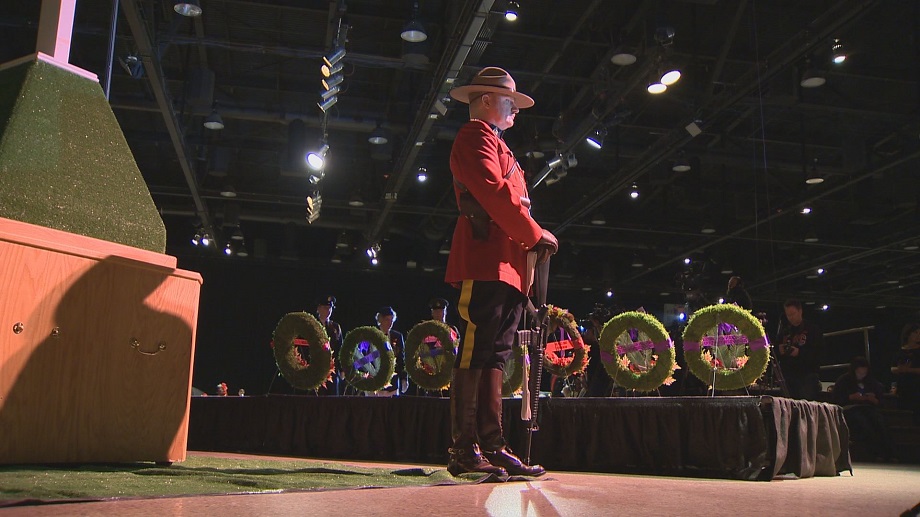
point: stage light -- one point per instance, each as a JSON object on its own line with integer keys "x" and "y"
{"x": 228, "y": 250}
{"x": 317, "y": 159}
{"x": 333, "y": 81}
{"x": 422, "y": 175}
{"x": 511, "y": 11}
{"x": 806, "y": 210}
{"x": 609, "y": 293}
{"x": 333, "y": 59}
{"x": 838, "y": 55}
{"x": 196, "y": 239}
{"x": 329, "y": 71}
{"x": 687, "y": 260}
{"x": 206, "y": 240}
{"x": 596, "y": 138}
{"x": 820, "y": 271}
{"x": 327, "y": 104}
{"x": 721, "y": 300}
{"x": 825, "y": 307}
{"x": 378, "y": 136}
{"x": 634, "y": 191}
{"x": 655, "y": 87}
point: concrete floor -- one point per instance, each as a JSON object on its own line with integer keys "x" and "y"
{"x": 874, "y": 489}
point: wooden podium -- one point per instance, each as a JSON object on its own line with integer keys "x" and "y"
{"x": 97, "y": 341}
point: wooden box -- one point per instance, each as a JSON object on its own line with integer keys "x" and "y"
{"x": 96, "y": 347}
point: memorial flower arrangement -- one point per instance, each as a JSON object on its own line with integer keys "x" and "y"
{"x": 300, "y": 372}
{"x": 637, "y": 351}
{"x": 726, "y": 347}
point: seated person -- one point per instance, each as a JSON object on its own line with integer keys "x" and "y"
{"x": 859, "y": 393}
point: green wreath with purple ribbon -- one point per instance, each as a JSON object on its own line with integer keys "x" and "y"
{"x": 302, "y": 372}
{"x": 637, "y": 351}
{"x": 430, "y": 354}
{"x": 726, "y": 347}
{"x": 367, "y": 359}
{"x": 513, "y": 376}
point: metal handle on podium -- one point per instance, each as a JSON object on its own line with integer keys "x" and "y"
{"x": 136, "y": 345}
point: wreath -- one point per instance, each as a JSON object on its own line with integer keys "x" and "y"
{"x": 430, "y": 362}
{"x": 637, "y": 352}
{"x": 564, "y": 366}
{"x": 726, "y": 347}
{"x": 367, "y": 359}
{"x": 513, "y": 376}
{"x": 298, "y": 371}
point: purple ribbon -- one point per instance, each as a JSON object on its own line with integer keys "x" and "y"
{"x": 691, "y": 346}
{"x": 363, "y": 347}
{"x": 759, "y": 343}
{"x": 726, "y": 340}
{"x": 659, "y": 346}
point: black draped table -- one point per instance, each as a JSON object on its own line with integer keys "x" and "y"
{"x": 753, "y": 438}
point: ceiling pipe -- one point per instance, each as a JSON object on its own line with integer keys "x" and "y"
{"x": 148, "y": 54}
{"x": 470, "y": 22}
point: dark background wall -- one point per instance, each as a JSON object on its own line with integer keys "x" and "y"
{"x": 242, "y": 302}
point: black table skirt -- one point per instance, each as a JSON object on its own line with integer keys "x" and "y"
{"x": 723, "y": 437}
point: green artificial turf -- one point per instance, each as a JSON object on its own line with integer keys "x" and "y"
{"x": 201, "y": 475}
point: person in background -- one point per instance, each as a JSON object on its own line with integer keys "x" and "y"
{"x": 222, "y": 390}
{"x": 324, "y": 308}
{"x": 860, "y": 395}
{"x": 488, "y": 262}
{"x": 599, "y": 383}
{"x": 906, "y": 370}
{"x": 800, "y": 349}
{"x": 736, "y": 293}
{"x": 386, "y": 317}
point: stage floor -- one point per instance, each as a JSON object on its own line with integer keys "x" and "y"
{"x": 873, "y": 489}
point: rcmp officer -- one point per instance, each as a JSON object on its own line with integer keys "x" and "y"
{"x": 324, "y": 308}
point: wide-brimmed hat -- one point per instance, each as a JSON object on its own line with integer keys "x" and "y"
{"x": 491, "y": 79}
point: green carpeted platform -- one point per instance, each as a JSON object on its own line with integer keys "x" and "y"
{"x": 200, "y": 475}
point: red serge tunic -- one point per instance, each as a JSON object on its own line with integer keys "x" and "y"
{"x": 482, "y": 163}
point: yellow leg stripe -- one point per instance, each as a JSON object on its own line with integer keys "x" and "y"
{"x": 463, "y": 307}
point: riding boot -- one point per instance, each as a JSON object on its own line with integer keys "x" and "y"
{"x": 489, "y": 418}
{"x": 465, "y": 455}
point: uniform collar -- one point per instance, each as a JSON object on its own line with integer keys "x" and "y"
{"x": 493, "y": 127}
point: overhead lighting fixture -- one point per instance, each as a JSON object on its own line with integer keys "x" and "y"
{"x": 596, "y": 138}
{"x": 511, "y": 11}
{"x": 623, "y": 57}
{"x": 609, "y": 293}
{"x": 687, "y": 261}
{"x": 316, "y": 160}
{"x": 228, "y": 250}
{"x": 637, "y": 261}
{"x": 682, "y": 164}
{"x": 237, "y": 235}
{"x": 242, "y": 252}
{"x": 196, "y": 239}
{"x": 355, "y": 201}
{"x": 634, "y": 191}
{"x": 445, "y": 248}
{"x": 422, "y": 175}
{"x": 190, "y": 8}
{"x": 812, "y": 176}
{"x": 336, "y": 259}
{"x": 813, "y": 76}
{"x": 806, "y": 210}
{"x": 820, "y": 271}
{"x": 838, "y": 56}
{"x": 726, "y": 269}
{"x": 314, "y": 206}
{"x": 414, "y": 31}
{"x": 810, "y": 237}
{"x": 228, "y": 191}
{"x": 327, "y": 104}
{"x": 205, "y": 240}
{"x": 669, "y": 75}
{"x": 378, "y": 136}
{"x": 214, "y": 121}
{"x": 911, "y": 247}
{"x": 655, "y": 86}
{"x": 598, "y": 219}
{"x": 708, "y": 228}
{"x": 825, "y": 307}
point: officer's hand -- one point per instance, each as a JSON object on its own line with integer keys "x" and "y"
{"x": 546, "y": 246}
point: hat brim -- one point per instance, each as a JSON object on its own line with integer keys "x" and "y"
{"x": 462, "y": 94}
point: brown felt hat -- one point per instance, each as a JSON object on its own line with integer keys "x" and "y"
{"x": 491, "y": 79}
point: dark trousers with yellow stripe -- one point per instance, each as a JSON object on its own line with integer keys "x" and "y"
{"x": 490, "y": 312}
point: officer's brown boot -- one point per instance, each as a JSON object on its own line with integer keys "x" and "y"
{"x": 489, "y": 421}
{"x": 465, "y": 454}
